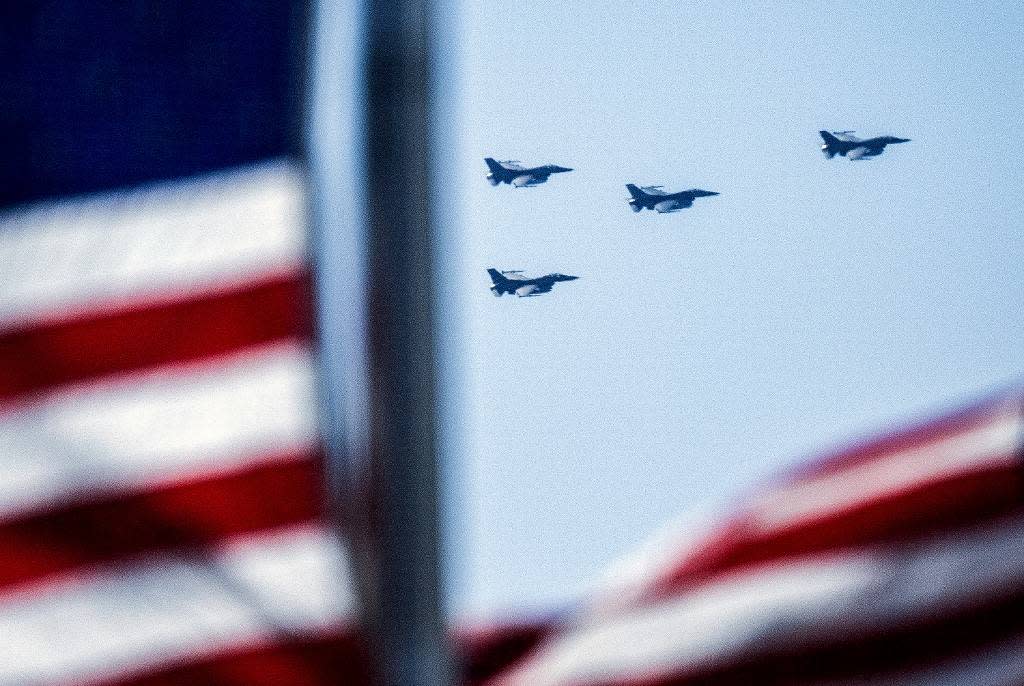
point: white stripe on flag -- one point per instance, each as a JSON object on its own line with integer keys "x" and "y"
{"x": 165, "y": 608}
{"x": 159, "y": 241}
{"x": 991, "y": 444}
{"x": 139, "y": 430}
{"x": 791, "y": 604}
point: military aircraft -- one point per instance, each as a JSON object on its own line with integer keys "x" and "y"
{"x": 513, "y": 282}
{"x": 853, "y": 148}
{"x": 654, "y": 198}
{"x": 512, "y": 172}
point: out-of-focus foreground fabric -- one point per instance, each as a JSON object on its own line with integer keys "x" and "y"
{"x": 160, "y": 481}
{"x": 899, "y": 561}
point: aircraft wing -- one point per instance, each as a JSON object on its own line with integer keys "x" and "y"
{"x": 859, "y": 153}
{"x": 849, "y": 138}
{"x": 653, "y": 190}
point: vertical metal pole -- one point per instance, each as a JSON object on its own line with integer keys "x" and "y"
{"x": 381, "y": 297}
{"x": 409, "y": 628}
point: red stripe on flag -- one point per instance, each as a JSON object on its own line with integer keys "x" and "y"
{"x": 283, "y": 491}
{"x": 484, "y": 653}
{"x": 909, "y": 438}
{"x": 930, "y": 509}
{"x": 313, "y": 661}
{"x": 138, "y": 337}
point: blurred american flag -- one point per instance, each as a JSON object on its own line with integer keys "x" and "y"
{"x": 160, "y": 498}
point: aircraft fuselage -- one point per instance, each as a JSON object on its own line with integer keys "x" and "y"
{"x": 520, "y": 177}
{"x": 513, "y": 283}
{"x": 643, "y": 199}
{"x": 872, "y": 147}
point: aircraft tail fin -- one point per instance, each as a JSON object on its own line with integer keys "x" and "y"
{"x": 494, "y": 165}
{"x": 635, "y": 192}
{"x": 500, "y": 282}
{"x": 828, "y": 137}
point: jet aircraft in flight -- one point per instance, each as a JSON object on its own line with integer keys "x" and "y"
{"x": 512, "y": 172}
{"x": 853, "y": 148}
{"x": 654, "y": 198}
{"x": 513, "y": 282}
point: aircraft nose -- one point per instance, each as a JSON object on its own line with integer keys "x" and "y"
{"x": 564, "y": 169}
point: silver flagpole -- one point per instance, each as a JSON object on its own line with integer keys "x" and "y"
{"x": 373, "y": 243}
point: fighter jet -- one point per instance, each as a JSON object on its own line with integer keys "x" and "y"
{"x": 654, "y": 198}
{"x": 853, "y": 148}
{"x": 513, "y": 282}
{"x": 511, "y": 171}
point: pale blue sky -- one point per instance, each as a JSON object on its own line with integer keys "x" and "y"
{"x": 701, "y": 351}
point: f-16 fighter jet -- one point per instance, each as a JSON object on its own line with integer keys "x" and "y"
{"x": 513, "y": 282}
{"x": 654, "y": 198}
{"x": 511, "y": 171}
{"x": 853, "y": 148}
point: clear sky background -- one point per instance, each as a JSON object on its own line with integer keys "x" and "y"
{"x": 701, "y": 352}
